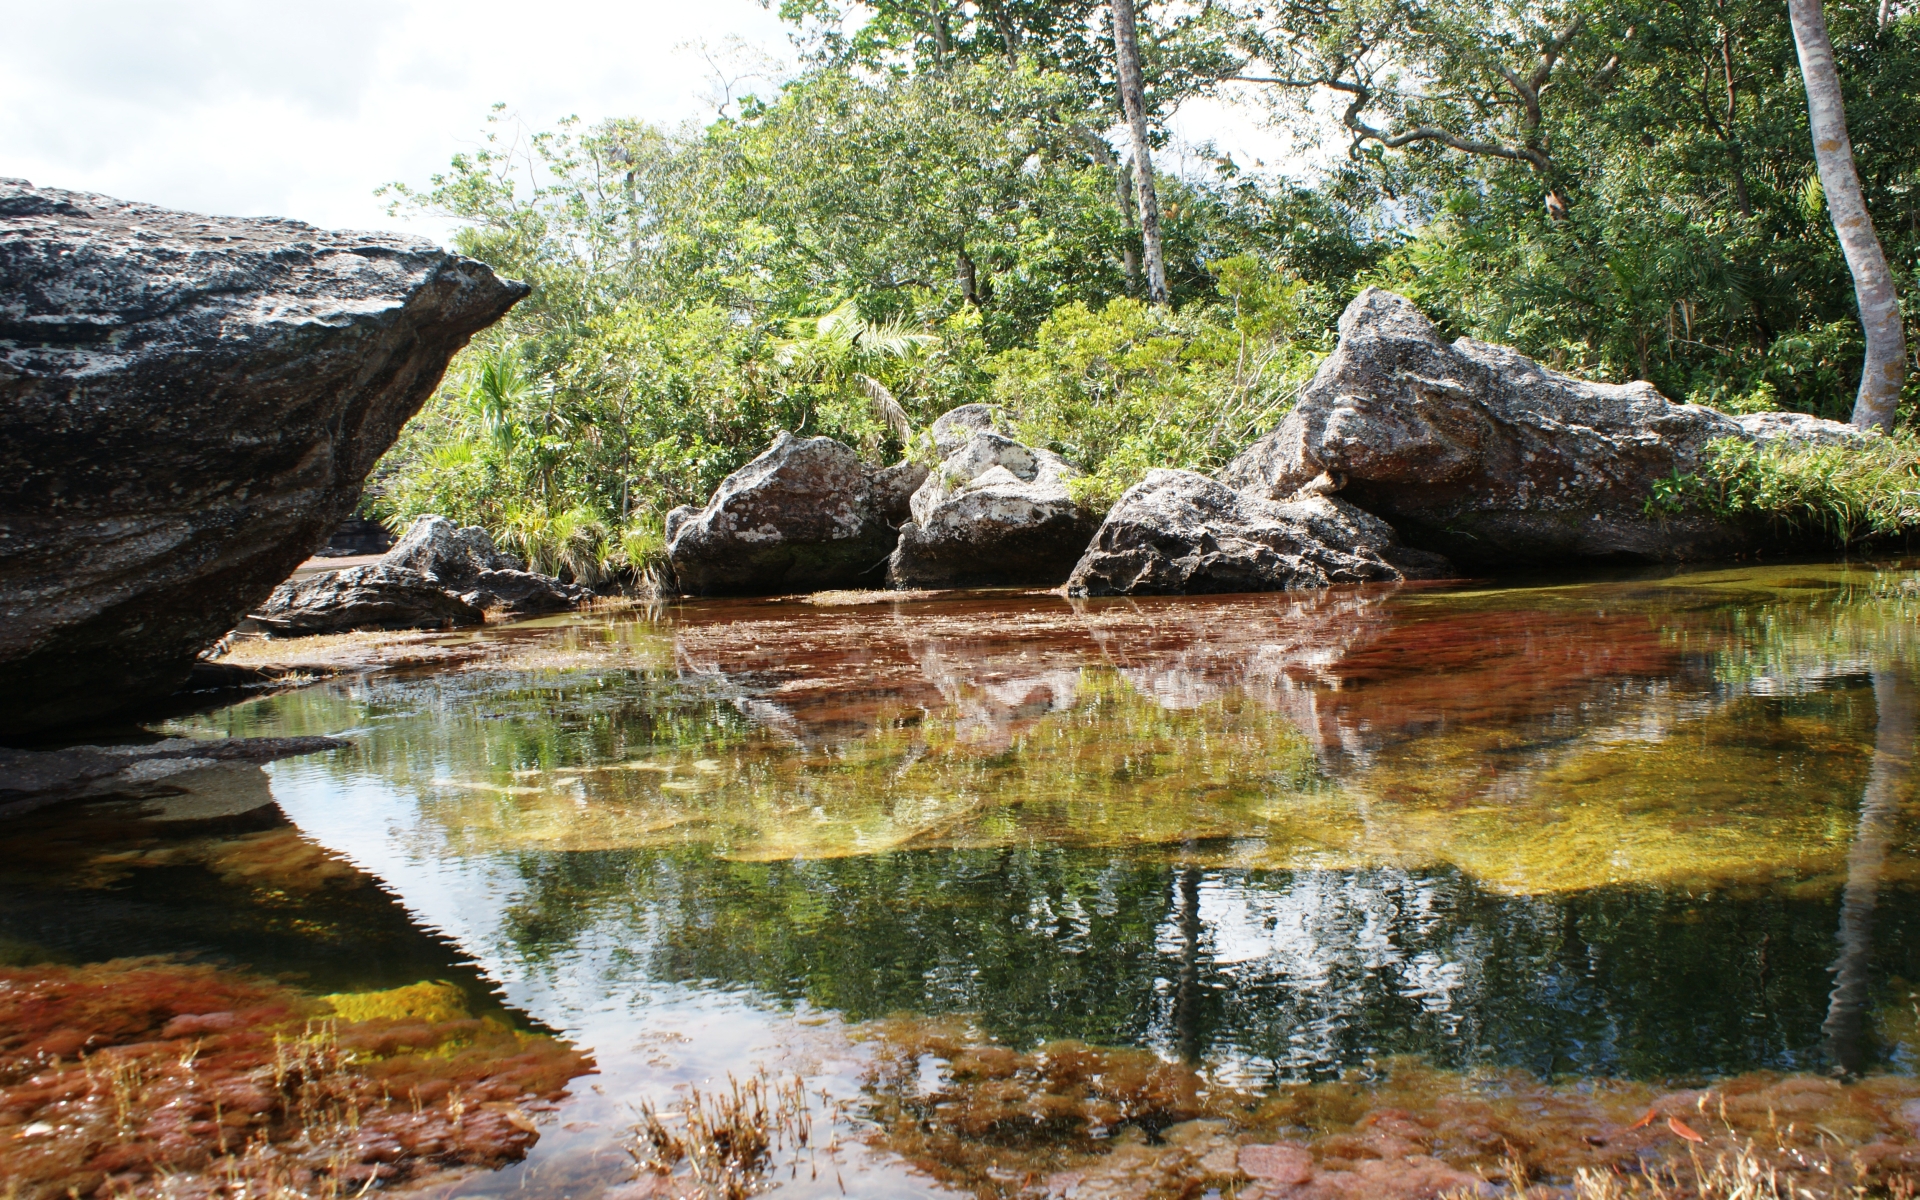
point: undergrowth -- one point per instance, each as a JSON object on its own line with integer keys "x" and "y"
{"x": 1848, "y": 493}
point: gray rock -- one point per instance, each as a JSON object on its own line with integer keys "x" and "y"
{"x": 31, "y": 778}
{"x": 1179, "y": 532}
{"x": 956, "y": 427}
{"x": 376, "y": 596}
{"x": 522, "y": 593}
{"x": 188, "y": 408}
{"x": 891, "y": 490}
{"x": 799, "y": 517}
{"x": 993, "y": 513}
{"x": 448, "y": 555}
{"x": 1483, "y": 454}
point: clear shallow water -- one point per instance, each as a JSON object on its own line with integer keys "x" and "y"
{"x": 1622, "y": 828}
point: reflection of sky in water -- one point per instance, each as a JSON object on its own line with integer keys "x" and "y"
{"x": 1596, "y": 829}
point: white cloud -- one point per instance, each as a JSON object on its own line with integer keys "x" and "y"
{"x": 301, "y": 109}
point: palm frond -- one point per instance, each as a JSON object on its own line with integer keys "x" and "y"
{"x": 885, "y": 406}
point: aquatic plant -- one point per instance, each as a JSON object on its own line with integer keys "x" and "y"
{"x": 727, "y": 1144}
{"x": 141, "y": 1077}
{"x": 1083, "y": 1122}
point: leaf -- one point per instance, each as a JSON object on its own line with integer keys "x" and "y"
{"x": 1680, "y": 1127}
{"x": 1645, "y": 1121}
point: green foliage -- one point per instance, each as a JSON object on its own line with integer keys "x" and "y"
{"x": 930, "y": 215}
{"x": 1127, "y": 388}
{"x": 1849, "y": 493}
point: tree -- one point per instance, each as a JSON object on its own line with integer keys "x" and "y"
{"x": 1884, "y": 368}
{"x": 1471, "y": 77}
{"x": 1126, "y": 54}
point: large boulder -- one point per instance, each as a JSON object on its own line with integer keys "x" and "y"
{"x": 188, "y": 408}
{"x": 1483, "y": 454}
{"x": 801, "y": 516}
{"x": 1179, "y": 532}
{"x": 376, "y": 596}
{"x": 993, "y": 513}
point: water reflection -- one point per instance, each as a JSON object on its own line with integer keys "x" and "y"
{"x": 1888, "y": 785}
{"x": 1585, "y": 829}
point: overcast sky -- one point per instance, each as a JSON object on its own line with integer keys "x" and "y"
{"x": 301, "y": 109}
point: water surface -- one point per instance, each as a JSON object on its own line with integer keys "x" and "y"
{"x": 1655, "y": 828}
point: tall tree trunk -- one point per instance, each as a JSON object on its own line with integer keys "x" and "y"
{"x": 1887, "y": 785}
{"x": 966, "y": 277}
{"x": 1886, "y": 363}
{"x": 1126, "y": 53}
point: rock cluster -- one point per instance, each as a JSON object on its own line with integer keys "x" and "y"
{"x": 1481, "y": 453}
{"x": 188, "y": 407}
{"x": 995, "y": 512}
{"x": 436, "y": 576}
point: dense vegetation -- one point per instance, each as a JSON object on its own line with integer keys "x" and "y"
{"x": 932, "y": 212}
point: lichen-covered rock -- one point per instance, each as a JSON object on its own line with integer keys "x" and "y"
{"x": 188, "y": 407}
{"x": 799, "y": 517}
{"x": 891, "y": 490}
{"x": 1179, "y": 532}
{"x": 1487, "y": 456}
{"x": 376, "y": 596}
{"x": 449, "y": 555}
{"x": 993, "y": 513}
{"x": 464, "y": 561}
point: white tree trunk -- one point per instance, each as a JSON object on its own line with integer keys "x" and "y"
{"x": 1886, "y": 363}
{"x": 1126, "y": 52}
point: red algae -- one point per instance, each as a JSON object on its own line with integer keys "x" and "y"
{"x": 148, "y": 1077}
{"x": 1083, "y": 1123}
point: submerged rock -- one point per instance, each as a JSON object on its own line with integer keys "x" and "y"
{"x": 30, "y": 778}
{"x": 376, "y": 596}
{"x": 800, "y": 517}
{"x": 1179, "y": 532}
{"x": 995, "y": 512}
{"x": 1485, "y": 455}
{"x": 188, "y": 408}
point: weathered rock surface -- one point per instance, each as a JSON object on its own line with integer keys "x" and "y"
{"x": 1180, "y": 532}
{"x": 801, "y": 516}
{"x": 993, "y": 513}
{"x": 464, "y": 561}
{"x": 188, "y": 407}
{"x": 30, "y": 778}
{"x": 891, "y": 490}
{"x": 376, "y": 596}
{"x": 436, "y": 576}
{"x": 1481, "y": 453}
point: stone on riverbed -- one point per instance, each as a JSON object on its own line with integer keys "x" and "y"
{"x": 188, "y": 408}
{"x": 376, "y": 596}
{"x": 1481, "y": 453}
{"x": 803, "y": 516}
{"x": 993, "y": 513}
{"x": 1179, "y": 532}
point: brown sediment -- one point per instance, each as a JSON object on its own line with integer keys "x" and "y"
{"x": 142, "y": 1077}
{"x": 1084, "y": 1123}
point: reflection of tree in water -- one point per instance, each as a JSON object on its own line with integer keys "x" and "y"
{"x": 1275, "y": 974}
{"x": 1887, "y": 788}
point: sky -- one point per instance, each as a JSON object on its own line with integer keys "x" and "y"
{"x": 301, "y": 109}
